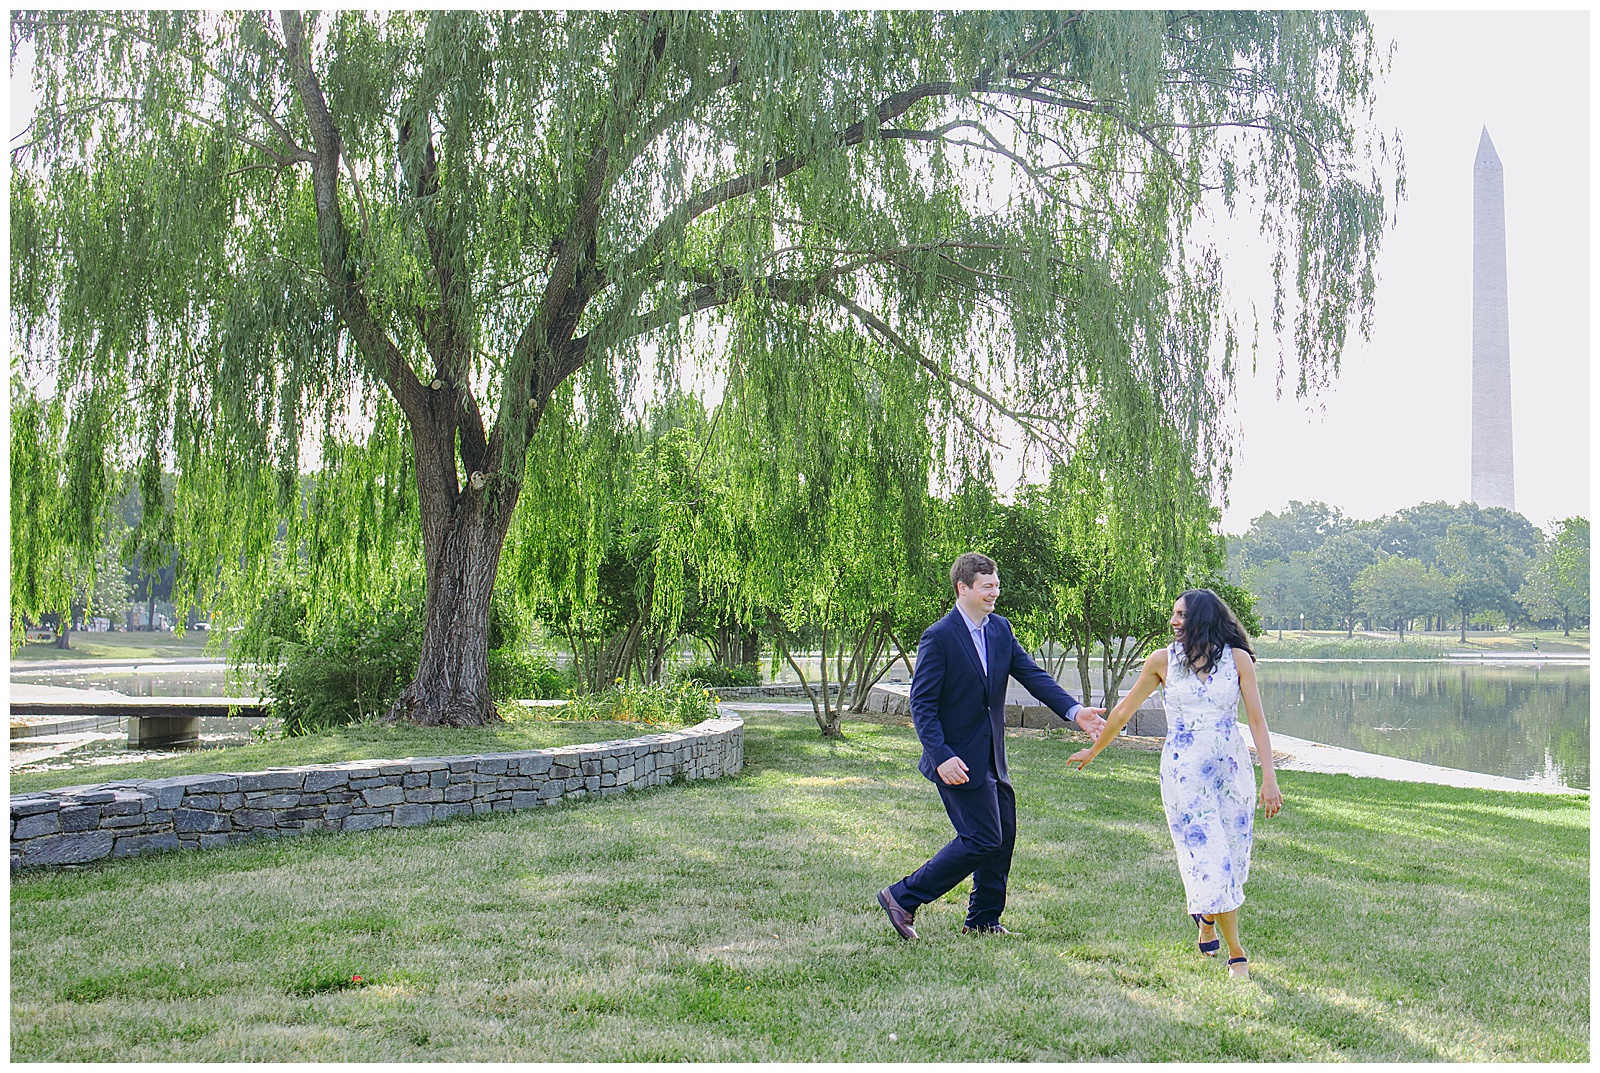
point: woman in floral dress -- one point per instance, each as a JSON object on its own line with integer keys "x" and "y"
{"x": 1207, "y": 781}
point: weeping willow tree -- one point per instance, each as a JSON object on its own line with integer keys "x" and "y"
{"x": 240, "y": 239}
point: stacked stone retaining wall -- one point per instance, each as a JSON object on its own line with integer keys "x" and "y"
{"x": 79, "y": 824}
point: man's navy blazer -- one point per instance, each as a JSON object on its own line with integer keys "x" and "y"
{"x": 958, "y": 711}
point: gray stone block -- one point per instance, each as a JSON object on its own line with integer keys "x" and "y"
{"x": 68, "y": 849}
{"x": 411, "y": 815}
{"x": 450, "y": 811}
{"x": 458, "y": 792}
{"x": 439, "y": 778}
{"x": 429, "y": 765}
{"x": 211, "y": 841}
{"x": 38, "y": 825}
{"x": 122, "y": 805}
{"x": 271, "y": 780}
{"x": 490, "y": 765}
{"x": 592, "y": 783}
{"x": 204, "y": 784}
{"x": 134, "y": 820}
{"x": 131, "y": 845}
{"x": 29, "y": 805}
{"x": 296, "y": 815}
{"x": 76, "y": 818}
{"x": 168, "y": 796}
{"x": 195, "y": 820}
{"x": 231, "y": 801}
{"x": 424, "y": 795}
{"x": 335, "y": 812}
{"x": 384, "y": 796}
{"x": 365, "y": 821}
{"x": 211, "y": 802}
{"x": 535, "y": 765}
{"x": 529, "y": 798}
{"x": 319, "y": 781}
{"x": 253, "y": 817}
{"x": 278, "y": 801}
{"x": 414, "y": 779}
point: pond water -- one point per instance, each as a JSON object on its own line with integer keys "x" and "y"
{"x": 1520, "y": 722}
{"x": 160, "y": 680}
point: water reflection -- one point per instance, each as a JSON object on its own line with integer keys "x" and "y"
{"x": 1520, "y": 722}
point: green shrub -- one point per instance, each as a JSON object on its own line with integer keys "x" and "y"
{"x": 719, "y": 675}
{"x": 524, "y": 676}
{"x": 677, "y": 703}
{"x": 346, "y": 668}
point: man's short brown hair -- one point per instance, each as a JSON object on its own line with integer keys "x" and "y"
{"x": 968, "y": 567}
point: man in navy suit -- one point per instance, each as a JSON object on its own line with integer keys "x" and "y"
{"x": 958, "y": 704}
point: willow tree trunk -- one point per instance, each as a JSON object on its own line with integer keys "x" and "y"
{"x": 452, "y": 683}
{"x": 463, "y": 532}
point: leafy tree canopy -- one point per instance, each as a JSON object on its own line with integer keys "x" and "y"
{"x": 436, "y": 254}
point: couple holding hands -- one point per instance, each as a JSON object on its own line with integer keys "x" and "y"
{"x": 958, "y": 696}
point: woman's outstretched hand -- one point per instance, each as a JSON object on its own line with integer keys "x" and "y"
{"x": 1081, "y": 758}
{"x": 1271, "y": 798}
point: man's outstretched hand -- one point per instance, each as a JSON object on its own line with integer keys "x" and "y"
{"x": 1091, "y": 720}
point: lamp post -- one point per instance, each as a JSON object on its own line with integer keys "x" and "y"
{"x": 1302, "y": 622}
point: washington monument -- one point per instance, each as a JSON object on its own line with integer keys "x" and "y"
{"x": 1491, "y": 336}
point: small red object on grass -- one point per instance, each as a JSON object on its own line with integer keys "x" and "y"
{"x": 355, "y": 979}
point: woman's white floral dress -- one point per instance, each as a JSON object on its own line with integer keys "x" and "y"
{"x": 1207, "y": 782}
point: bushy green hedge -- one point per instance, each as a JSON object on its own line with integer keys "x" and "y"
{"x": 718, "y": 675}
{"x": 341, "y": 670}
{"x": 523, "y": 676}
{"x": 678, "y": 703}
{"x": 349, "y": 667}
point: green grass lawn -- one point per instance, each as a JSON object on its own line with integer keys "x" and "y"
{"x": 735, "y": 921}
{"x": 134, "y": 644}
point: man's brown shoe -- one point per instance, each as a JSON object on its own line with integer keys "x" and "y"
{"x": 897, "y": 916}
{"x": 985, "y": 929}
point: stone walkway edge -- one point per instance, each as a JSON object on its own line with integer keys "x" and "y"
{"x": 76, "y": 825}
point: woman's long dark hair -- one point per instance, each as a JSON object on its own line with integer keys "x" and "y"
{"x": 1208, "y": 624}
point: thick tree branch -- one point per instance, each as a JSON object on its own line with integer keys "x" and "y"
{"x": 382, "y": 356}
{"x": 542, "y": 348}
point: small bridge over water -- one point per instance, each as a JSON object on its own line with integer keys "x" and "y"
{"x": 152, "y": 721}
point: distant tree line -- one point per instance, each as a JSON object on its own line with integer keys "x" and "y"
{"x": 1427, "y": 567}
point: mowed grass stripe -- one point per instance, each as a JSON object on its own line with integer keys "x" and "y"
{"x": 735, "y": 921}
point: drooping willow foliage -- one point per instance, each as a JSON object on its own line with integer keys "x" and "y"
{"x": 382, "y": 288}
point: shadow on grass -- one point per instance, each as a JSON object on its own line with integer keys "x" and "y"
{"x": 734, "y": 920}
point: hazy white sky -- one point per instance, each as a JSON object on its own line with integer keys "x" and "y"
{"x": 1395, "y": 428}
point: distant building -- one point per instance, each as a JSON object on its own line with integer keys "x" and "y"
{"x": 1492, "y": 481}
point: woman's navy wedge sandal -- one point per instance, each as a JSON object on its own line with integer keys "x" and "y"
{"x": 1209, "y": 948}
{"x": 1245, "y": 975}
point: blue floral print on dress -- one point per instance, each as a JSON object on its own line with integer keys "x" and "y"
{"x": 1207, "y": 783}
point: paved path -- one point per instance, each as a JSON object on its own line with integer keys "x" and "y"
{"x": 1303, "y": 755}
